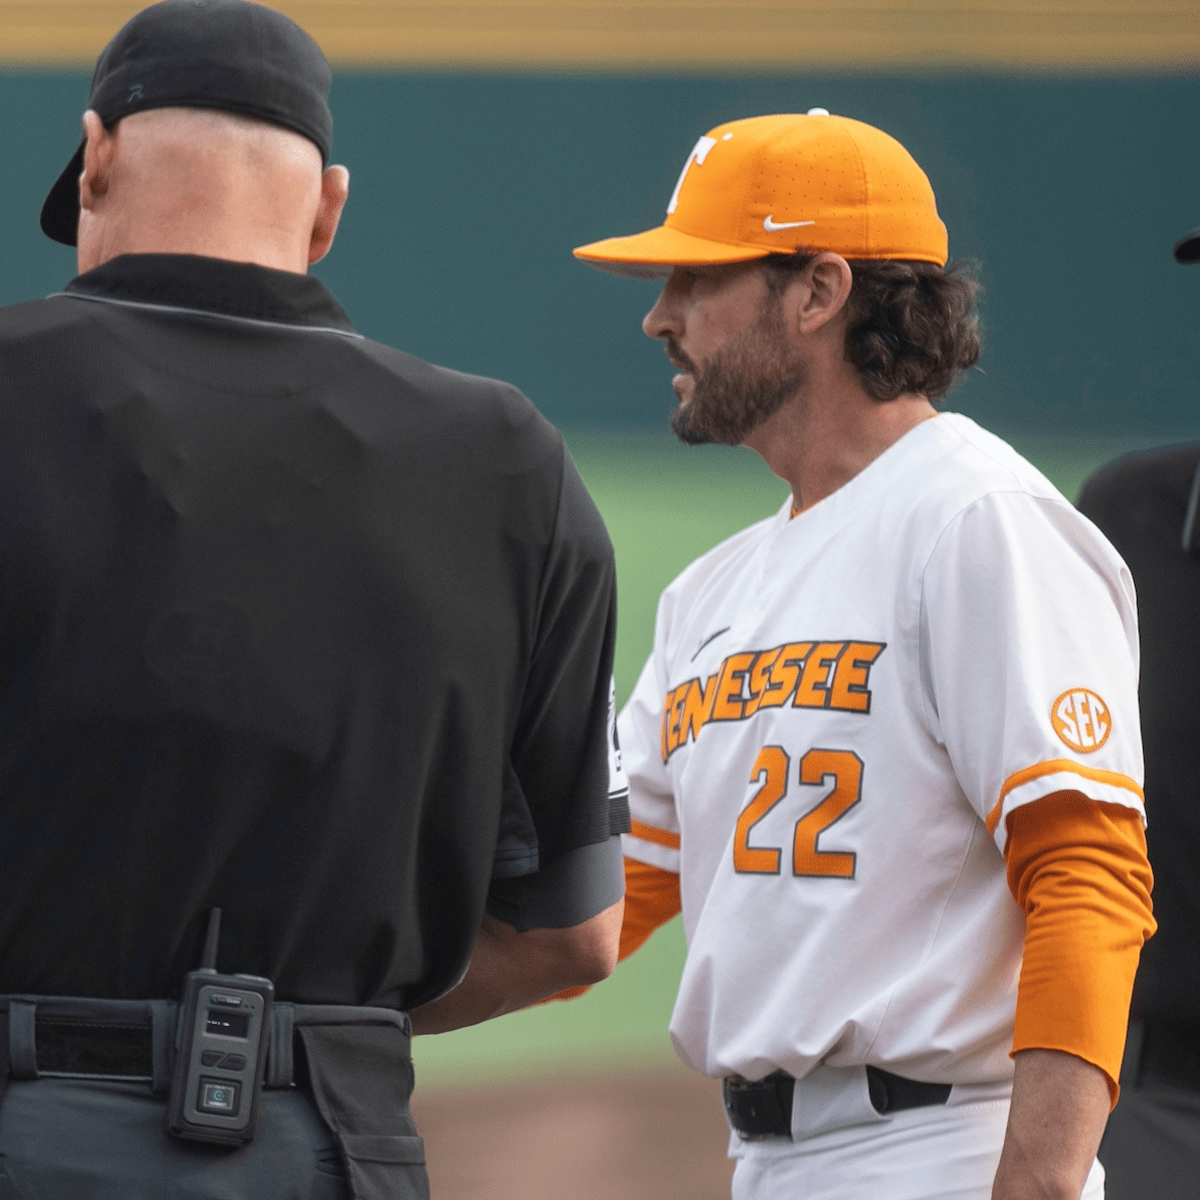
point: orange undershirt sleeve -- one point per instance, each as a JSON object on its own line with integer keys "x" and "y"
{"x": 651, "y": 900}
{"x": 1078, "y": 868}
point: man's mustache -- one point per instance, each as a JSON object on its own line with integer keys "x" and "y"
{"x": 677, "y": 358}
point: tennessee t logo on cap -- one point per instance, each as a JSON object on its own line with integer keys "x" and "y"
{"x": 770, "y": 185}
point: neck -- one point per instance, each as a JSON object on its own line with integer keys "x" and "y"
{"x": 161, "y": 234}
{"x": 826, "y": 435}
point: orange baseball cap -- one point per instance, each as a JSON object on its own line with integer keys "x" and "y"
{"x": 769, "y": 185}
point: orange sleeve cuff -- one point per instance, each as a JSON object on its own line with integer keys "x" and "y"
{"x": 651, "y": 900}
{"x": 1078, "y": 868}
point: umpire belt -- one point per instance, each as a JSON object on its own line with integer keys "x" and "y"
{"x": 357, "y": 1065}
{"x": 827, "y": 1098}
{"x": 100, "y": 1038}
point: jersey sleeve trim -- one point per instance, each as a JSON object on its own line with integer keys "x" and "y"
{"x": 652, "y": 846}
{"x": 1059, "y": 775}
{"x": 647, "y": 833}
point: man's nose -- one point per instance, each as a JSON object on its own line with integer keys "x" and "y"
{"x": 663, "y": 320}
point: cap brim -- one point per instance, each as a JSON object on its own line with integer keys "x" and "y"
{"x": 60, "y": 212}
{"x": 655, "y": 253}
{"x": 1187, "y": 249}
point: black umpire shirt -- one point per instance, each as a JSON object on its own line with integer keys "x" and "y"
{"x": 290, "y": 623}
{"x": 1141, "y": 502}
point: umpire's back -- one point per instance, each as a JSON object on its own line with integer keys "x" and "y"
{"x": 272, "y": 594}
{"x": 292, "y": 625}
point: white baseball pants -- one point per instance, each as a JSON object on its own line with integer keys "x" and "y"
{"x": 938, "y": 1153}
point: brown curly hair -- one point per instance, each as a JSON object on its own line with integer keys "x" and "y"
{"x": 912, "y": 325}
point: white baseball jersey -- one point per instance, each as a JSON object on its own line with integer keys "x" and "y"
{"x": 839, "y": 711}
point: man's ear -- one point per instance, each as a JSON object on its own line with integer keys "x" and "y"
{"x": 99, "y": 149}
{"x": 335, "y": 190}
{"x": 827, "y": 282}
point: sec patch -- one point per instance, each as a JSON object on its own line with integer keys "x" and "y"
{"x": 1081, "y": 720}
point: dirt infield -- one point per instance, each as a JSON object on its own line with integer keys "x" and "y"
{"x": 653, "y": 1137}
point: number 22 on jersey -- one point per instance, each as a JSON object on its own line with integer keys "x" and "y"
{"x": 772, "y": 768}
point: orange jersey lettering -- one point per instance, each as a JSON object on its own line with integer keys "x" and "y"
{"x": 830, "y": 675}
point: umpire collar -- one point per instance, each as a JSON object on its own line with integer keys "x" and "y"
{"x": 188, "y": 283}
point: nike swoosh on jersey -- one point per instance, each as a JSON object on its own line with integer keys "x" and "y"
{"x": 712, "y": 637}
{"x": 771, "y": 226}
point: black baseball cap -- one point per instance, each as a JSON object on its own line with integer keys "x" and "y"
{"x": 1187, "y": 249}
{"x": 232, "y": 55}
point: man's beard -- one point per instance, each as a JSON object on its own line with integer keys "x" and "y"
{"x": 745, "y": 382}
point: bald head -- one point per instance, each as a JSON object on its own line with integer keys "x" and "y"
{"x": 200, "y": 181}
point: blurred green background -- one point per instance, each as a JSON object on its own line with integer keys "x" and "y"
{"x": 468, "y": 192}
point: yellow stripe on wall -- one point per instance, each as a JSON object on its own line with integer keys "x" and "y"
{"x": 673, "y": 35}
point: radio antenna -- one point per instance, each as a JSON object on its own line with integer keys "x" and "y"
{"x": 209, "y": 961}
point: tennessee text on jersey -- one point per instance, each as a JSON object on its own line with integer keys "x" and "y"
{"x": 813, "y": 674}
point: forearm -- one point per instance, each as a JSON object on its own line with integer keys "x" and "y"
{"x": 1059, "y": 1109}
{"x": 1078, "y": 869}
{"x": 511, "y": 970}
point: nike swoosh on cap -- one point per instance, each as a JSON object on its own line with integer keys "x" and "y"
{"x": 771, "y": 226}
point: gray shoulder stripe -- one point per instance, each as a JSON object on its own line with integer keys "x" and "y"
{"x": 181, "y": 311}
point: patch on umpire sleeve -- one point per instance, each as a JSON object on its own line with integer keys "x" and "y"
{"x": 618, "y": 785}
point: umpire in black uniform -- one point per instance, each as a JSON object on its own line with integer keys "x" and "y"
{"x": 292, "y": 626}
{"x": 1148, "y": 504}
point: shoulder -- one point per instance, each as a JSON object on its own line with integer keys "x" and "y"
{"x": 963, "y": 462}
{"x": 489, "y": 424}
{"x": 408, "y": 421}
{"x": 965, "y": 471}
{"x": 365, "y": 369}
{"x": 973, "y": 499}
{"x": 31, "y": 318}
{"x": 55, "y": 346}
{"x": 927, "y": 483}
{"x": 455, "y": 394}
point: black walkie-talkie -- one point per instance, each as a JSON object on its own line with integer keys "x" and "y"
{"x": 221, "y": 1051}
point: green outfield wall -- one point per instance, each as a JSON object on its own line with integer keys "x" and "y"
{"x": 468, "y": 192}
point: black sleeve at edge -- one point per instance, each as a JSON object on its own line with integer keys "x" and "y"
{"x": 575, "y": 887}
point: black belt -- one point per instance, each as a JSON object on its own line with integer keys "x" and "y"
{"x": 98, "y": 1038}
{"x": 763, "y": 1108}
{"x": 75, "y": 1047}
{"x": 1170, "y": 1054}
{"x": 124, "y": 1039}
